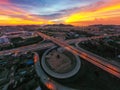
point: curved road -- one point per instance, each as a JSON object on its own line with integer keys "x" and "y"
{"x": 101, "y": 63}
{"x": 40, "y": 46}
{"x": 47, "y": 81}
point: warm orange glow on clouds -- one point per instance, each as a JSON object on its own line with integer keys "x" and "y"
{"x": 6, "y": 20}
{"x": 82, "y": 12}
{"x": 13, "y": 15}
{"x": 108, "y": 14}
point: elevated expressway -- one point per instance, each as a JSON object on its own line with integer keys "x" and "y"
{"x": 94, "y": 59}
{"x": 39, "y": 46}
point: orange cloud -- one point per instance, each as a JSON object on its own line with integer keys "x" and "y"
{"x": 6, "y": 20}
{"x": 113, "y": 20}
{"x": 13, "y": 15}
{"x": 109, "y": 13}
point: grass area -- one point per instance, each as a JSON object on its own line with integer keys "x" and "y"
{"x": 106, "y": 50}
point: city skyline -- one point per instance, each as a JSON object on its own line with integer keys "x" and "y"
{"x": 77, "y": 12}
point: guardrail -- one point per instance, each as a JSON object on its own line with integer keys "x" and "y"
{"x": 109, "y": 67}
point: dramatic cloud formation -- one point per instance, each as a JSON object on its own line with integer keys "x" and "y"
{"x": 76, "y": 12}
{"x": 105, "y": 12}
{"x": 10, "y": 14}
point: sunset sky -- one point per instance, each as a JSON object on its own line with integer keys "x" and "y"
{"x": 76, "y": 12}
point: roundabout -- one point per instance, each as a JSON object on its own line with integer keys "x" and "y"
{"x": 60, "y": 63}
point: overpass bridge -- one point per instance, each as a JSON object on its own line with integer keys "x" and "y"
{"x": 99, "y": 62}
{"x": 94, "y": 59}
{"x": 39, "y": 46}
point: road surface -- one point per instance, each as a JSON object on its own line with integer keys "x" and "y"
{"x": 101, "y": 63}
{"x": 40, "y": 46}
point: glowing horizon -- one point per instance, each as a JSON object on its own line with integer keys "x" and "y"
{"x": 79, "y": 12}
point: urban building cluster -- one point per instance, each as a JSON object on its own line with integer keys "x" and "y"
{"x": 51, "y": 57}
